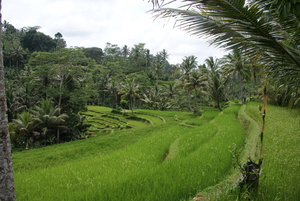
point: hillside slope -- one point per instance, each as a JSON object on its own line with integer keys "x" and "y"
{"x": 169, "y": 160}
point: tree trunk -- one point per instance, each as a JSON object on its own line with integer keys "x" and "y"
{"x": 7, "y": 188}
{"x": 189, "y": 101}
{"x": 59, "y": 106}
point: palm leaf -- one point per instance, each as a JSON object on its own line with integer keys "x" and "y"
{"x": 232, "y": 23}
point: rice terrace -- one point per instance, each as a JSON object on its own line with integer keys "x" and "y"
{"x": 163, "y": 158}
{"x": 138, "y": 122}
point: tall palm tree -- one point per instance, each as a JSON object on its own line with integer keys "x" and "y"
{"x": 113, "y": 87}
{"x": 196, "y": 81}
{"x": 125, "y": 51}
{"x": 188, "y": 64}
{"x": 129, "y": 89}
{"x": 236, "y": 64}
{"x": 158, "y": 66}
{"x": 216, "y": 82}
{"x": 13, "y": 99}
{"x": 7, "y": 188}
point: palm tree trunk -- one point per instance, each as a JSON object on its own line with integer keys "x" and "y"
{"x": 130, "y": 104}
{"x": 57, "y": 136}
{"x": 7, "y": 188}
{"x": 60, "y": 92}
{"x": 241, "y": 86}
{"x": 189, "y": 101}
{"x": 59, "y": 106}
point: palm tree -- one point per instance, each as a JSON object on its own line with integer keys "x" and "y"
{"x": 113, "y": 87}
{"x": 188, "y": 63}
{"x": 196, "y": 81}
{"x": 7, "y": 188}
{"x": 216, "y": 82}
{"x": 268, "y": 26}
{"x": 236, "y": 64}
{"x": 171, "y": 89}
{"x": 49, "y": 118}
{"x": 125, "y": 51}
{"x": 130, "y": 89}
{"x": 26, "y": 125}
{"x": 152, "y": 97}
{"x": 158, "y": 66}
{"x": 13, "y": 99}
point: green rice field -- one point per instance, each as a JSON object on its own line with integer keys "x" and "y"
{"x": 162, "y": 155}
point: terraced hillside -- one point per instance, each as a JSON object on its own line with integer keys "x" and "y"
{"x": 172, "y": 158}
{"x": 108, "y": 120}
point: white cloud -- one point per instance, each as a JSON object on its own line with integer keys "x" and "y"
{"x": 94, "y": 22}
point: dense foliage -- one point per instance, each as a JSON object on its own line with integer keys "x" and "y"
{"x": 40, "y": 68}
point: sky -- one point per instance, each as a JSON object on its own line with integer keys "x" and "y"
{"x": 93, "y": 23}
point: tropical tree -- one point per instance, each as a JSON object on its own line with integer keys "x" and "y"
{"x": 138, "y": 56}
{"x": 13, "y": 52}
{"x": 216, "y": 82}
{"x": 113, "y": 87}
{"x": 25, "y": 125}
{"x": 158, "y": 98}
{"x": 125, "y": 51}
{"x": 49, "y": 118}
{"x": 7, "y": 188}
{"x": 197, "y": 82}
{"x": 94, "y": 53}
{"x": 33, "y": 40}
{"x": 158, "y": 66}
{"x": 171, "y": 89}
{"x": 112, "y": 52}
{"x": 151, "y": 97}
{"x": 43, "y": 74}
{"x": 129, "y": 89}
{"x": 235, "y": 64}
{"x": 14, "y": 99}
{"x": 60, "y": 42}
{"x": 188, "y": 63}
{"x": 82, "y": 126}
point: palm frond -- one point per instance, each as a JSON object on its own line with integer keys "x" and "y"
{"x": 232, "y": 23}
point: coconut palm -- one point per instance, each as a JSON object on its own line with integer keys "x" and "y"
{"x": 125, "y": 51}
{"x": 188, "y": 63}
{"x": 129, "y": 89}
{"x": 171, "y": 89}
{"x": 216, "y": 82}
{"x": 195, "y": 82}
{"x": 236, "y": 64}
{"x": 158, "y": 66}
{"x": 14, "y": 100}
{"x": 152, "y": 97}
{"x": 113, "y": 87}
{"x": 25, "y": 125}
{"x": 49, "y": 118}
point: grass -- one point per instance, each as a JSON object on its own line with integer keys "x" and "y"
{"x": 165, "y": 161}
{"x": 281, "y": 155}
{"x": 280, "y": 177}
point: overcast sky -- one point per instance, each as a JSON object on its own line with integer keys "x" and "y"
{"x": 92, "y": 23}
